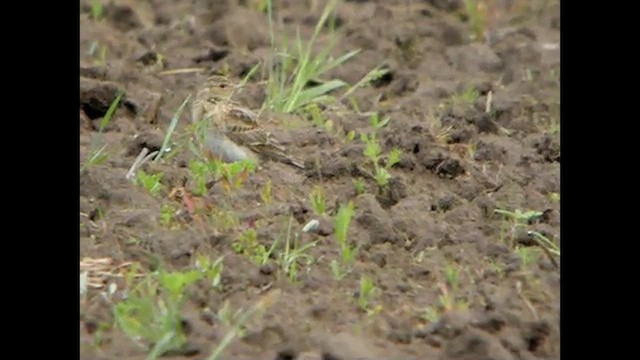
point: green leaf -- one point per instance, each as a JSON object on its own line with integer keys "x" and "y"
{"x": 372, "y": 150}
{"x": 308, "y": 95}
{"x": 394, "y": 157}
{"x": 343, "y": 218}
{"x": 110, "y": 111}
{"x": 172, "y": 126}
{"x": 176, "y": 282}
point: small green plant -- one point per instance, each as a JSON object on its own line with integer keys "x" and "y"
{"x": 497, "y": 267}
{"x": 224, "y": 219}
{"x": 366, "y": 293}
{"x": 550, "y": 248}
{"x": 97, "y": 154}
{"x": 97, "y": 53}
{"x": 359, "y": 185}
{"x": 317, "y": 199}
{"x": 292, "y": 70}
{"x": 233, "y": 175}
{"x": 150, "y": 182}
{"x": 293, "y": 253}
{"x": 528, "y": 255}
{"x": 468, "y": 96}
{"x": 212, "y": 271}
{"x": 236, "y": 173}
{"x": 316, "y": 116}
{"x": 265, "y": 195}
{"x": 98, "y": 336}
{"x": 347, "y": 252}
{"x": 518, "y": 220}
{"x": 96, "y": 10}
{"x": 475, "y": 10}
{"x": 167, "y": 215}
{"x": 431, "y": 314}
{"x": 371, "y": 76}
{"x": 448, "y": 299}
{"x": 172, "y": 125}
{"x": 247, "y": 244}
{"x": 151, "y": 313}
{"x": 240, "y": 318}
{"x": 226, "y": 315}
{"x": 201, "y": 172}
{"x": 373, "y": 151}
{"x": 350, "y": 136}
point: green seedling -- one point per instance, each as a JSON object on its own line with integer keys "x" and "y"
{"x": 294, "y": 253}
{"x": 448, "y": 299}
{"x": 243, "y": 317}
{"x": 316, "y": 117}
{"x": 203, "y": 172}
{"x": 150, "y": 182}
{"x": 373, "y": 151}
{"x": 431, "y": 314}
{"x": 475, "y": 11}
{"x": 224, "y": 219}
{"x": 96, "y": 10}
{"x": 98, "y": 336}
{"x": 167, "y": 215}
{"x": 151, "y": 313}
{"x": 351, "y": 135}
{"x": 292, "y": 70}
{"x": 318, "y": 202}
{"x": 247, "y": 244}
{"x": 172, "y": 125}
{"x": 359, "y": 185}
{"x": 236, "y": 173}
{"x": 233, "y": 175}
{"x": 518, "y": 220}
{"x": 528, "y": 255}
{"x": 367, "y": 291}
{"x": 347, "y": 252}
{"x": 520, "y": 217}
{"x": 547, "y": 244}
{"x": 468, "y": 96}
{"x": 212, "y": 271}
{"x": 371, "y": 76}
{"x": 265, "y": 195}
{"x": 98, "y": 155}
{"x": 98, "y": 53}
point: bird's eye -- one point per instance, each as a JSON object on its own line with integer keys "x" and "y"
{"x": 222, "y": 86}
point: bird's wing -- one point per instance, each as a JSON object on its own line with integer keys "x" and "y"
{"x": 243, "y": 128}
{"x": 249, "y": 136}
{"x": 239, "y": 115}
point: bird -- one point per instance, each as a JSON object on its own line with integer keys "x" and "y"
{"x": 234, "y": 132}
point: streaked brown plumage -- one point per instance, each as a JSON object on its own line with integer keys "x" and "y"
{"x": 235, "y": 132}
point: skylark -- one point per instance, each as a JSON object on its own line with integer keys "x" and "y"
{"x": 235, "y": 132}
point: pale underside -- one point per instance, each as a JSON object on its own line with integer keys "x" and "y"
{"x": 236, "y": 134}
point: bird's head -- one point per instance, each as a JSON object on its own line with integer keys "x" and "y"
{"x": 220, "y": 87}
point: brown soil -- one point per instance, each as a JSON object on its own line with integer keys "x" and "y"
{"x": 459, "y": 164}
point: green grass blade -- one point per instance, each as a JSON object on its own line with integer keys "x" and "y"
{"x": 249, "y": 74}
{"x": 161, "y": 346}
{"x": 172, "y": 126}
{"x": 323, "y": 19}
{"x": 340, "y": 60}
{"x": 308, "y": 95}
{"x": 112, "y": 108}
{"x": 372, "y": 75}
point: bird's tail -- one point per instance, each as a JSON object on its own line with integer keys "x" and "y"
{"x": 295, "y": 162}
{"x": 278, "y": 153}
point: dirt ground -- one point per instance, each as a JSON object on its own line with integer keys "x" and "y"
{"x": 477, "y": 121}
